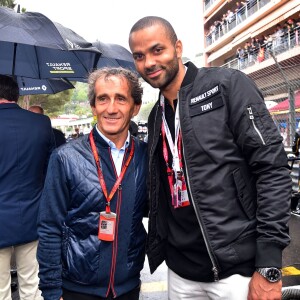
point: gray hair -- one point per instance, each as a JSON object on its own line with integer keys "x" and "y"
{"x": 132, "y": 79}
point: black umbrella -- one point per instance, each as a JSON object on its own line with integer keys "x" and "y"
{"x": 114, "y": 55}
{"x": 32, "y": 86}
{"x": 33, "y": 46}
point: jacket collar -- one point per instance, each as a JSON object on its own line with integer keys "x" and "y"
{"x": 13, "y": 105}
{"x": 100, "y": 142}
{"x": 190, "y": 74}
{"x": 189, "y": 77}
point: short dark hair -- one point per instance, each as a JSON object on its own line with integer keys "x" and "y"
{"x": 132, "y": 79}
{"x": 9, "y": 89}
{"x": 154, "y": 20}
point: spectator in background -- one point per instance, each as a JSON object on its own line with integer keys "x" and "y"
{"x": 213, "y": 32}
{"x": 133, "y": 128}
{"x": 26, "y": 141}
{"x": 230, "y": 16}
{"x": 77, "y": 133}
{"x": 298, "y": 30}
{"x": 240, "y": 55}
{"x": 283, "y": 133}
{"x": 238, "y": 11}
{"x": 224, "y": 23}
{"x": 59, "y": 136}
{"x": 254, "y": 48}
{"x": 291, "y": 23}
{"x": 279, "y": 38}
{"x": 261, "y": 55}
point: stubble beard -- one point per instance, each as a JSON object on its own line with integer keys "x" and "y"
{"x": 171, "y": 71}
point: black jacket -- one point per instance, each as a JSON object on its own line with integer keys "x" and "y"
{"x": 295, "y": 146}
{"x": 236, "y": 171}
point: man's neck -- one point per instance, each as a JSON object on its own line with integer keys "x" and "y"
{"x": 171, "y": 92}
{"x": 119, "y": 139}
{"x": 2, "y": 101}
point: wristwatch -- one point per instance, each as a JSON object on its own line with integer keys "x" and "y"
{"x": 271, "y": 274}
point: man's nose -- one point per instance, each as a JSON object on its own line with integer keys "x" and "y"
{"x": 149, "y": 61}
{"x": 112, "y": 106}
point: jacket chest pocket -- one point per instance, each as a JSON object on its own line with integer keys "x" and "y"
{"x": 205, "y": 106}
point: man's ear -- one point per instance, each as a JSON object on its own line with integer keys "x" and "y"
{"x": 136, "y": 109}
{"x": 179, "y": 48}
{"x": 93, "y": 108}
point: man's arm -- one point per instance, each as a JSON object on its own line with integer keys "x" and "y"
{"x": 53, "y": 209}
{"x": 261, "y": 145}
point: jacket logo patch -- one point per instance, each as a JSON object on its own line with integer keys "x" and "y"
{"x": 206, "y": 106}
{"x": 212, "y": 92}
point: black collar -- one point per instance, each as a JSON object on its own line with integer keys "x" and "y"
{"x": 190, "y": 75}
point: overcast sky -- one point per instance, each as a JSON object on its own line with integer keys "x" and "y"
{"x": 111, "y": 20}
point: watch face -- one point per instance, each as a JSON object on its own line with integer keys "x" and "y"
{"x": 273, "y": 274}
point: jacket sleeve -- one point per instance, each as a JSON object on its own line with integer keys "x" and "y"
{"x": 295, "y": 146}
{"x": 261, "y": 145}
{"x": 53, "y": 209}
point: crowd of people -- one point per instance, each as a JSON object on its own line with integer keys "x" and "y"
{"x": 284, "y": 37}
{"x": 234, "y": 16}
{"x": 217, "y": 193}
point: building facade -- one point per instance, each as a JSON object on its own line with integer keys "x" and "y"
{"x": 261, "y": 38}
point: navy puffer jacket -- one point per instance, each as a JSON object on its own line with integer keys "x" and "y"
{"x": 69, "y": 253}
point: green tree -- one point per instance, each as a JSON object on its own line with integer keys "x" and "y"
{"x": 52, "y": 104}
{"x": 80, "y": 94}
{"x": 8, "y": 3}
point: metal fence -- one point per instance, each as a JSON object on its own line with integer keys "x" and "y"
{"x": 281, "y": 80}
{"x": 277, "y": 75}
{"x": 232, "y": 19}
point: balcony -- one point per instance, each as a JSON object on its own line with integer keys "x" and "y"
{"x": 232, "y": 20}
{"x": 272, "y": 45}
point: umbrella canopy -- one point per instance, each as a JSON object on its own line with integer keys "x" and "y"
{"x": 33, "y": 46}
{"x": 285, "y": 105}
{"x": 31, "y": 86}
{"x": 114, "y": 55}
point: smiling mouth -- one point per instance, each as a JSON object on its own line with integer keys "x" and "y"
{"x": 154, "y": 74}
{"x": 111, "y": 119}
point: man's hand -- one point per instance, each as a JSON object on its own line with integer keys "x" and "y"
{"x": 261, "y": 289}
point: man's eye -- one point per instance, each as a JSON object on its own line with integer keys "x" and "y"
{"x": 158, "y": 50}
{"x": 138, "y": 56}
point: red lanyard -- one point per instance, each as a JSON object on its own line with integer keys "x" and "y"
{"x": 170, "y": 171}
{"x": 100, "y": 174}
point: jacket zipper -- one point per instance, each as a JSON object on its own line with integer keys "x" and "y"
{"x": 213, "y": 261}
{"x": 151, "y": 153}
{"x": 251, "y": 117}
{"x": 115, "y": 242}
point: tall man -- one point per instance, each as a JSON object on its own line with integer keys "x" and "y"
{"x": 218, "y": 175}
{"x": 26, "y": 141}
{"x": 92, "y": 239}
{"x": 59, "y": 136}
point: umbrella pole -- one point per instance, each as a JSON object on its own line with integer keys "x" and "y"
{"x": 14, "y": 60}
{"x": 26, "y": 101}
